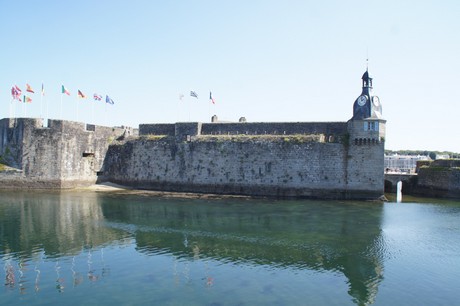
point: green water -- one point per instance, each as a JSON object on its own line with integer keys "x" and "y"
{"x": 90, "y": 248}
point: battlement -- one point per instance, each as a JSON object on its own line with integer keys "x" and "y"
{"x": 183, "y": 129}
{"x": 60, "y": 126}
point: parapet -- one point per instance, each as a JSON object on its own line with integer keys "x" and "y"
{"x": 168, "y": 129}
{"x": 274, "y": 128}
{"x": 183, "y": 129}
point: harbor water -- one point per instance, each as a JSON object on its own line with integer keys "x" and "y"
{"x": 99, "y": 248}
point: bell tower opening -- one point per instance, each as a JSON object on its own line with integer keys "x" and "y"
{"x": 367, "y": 80}
{"x": 367, "y": 105}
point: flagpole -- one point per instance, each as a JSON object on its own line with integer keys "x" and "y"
{"x": 47, "y": 109}
{"x": 178, "y": 108}
{"x": 41, "y": 102}
{"x": 78, "y": 109}
{"x": 105, "y": 113}
{"x": 209, "y": 106}
{"x": 60, "y": 116}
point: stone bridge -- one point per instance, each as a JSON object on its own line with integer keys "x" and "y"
{"x": 391, "y": 179}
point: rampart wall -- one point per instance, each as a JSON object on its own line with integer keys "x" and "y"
{"x": 254, "y": 128}
{"x": 314, "y": 160}
{"x": 62, "y": 155}
{"x": 440, "y": 179}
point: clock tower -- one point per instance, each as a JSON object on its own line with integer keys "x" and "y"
{"x": 366, "y": 150}
{"x": 367, "y": 105}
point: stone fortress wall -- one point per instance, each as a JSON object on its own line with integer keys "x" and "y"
{"x": 64, "y": 154}
{"x": 299, "y": 159}
{"x": 439, "y": 178}
{"x": 314, "y": 160}
{"x": 254, "y": 128}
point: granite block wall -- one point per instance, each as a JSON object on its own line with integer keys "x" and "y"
{"x": 440, "y": 179}
{"x": 315, "y": 160}
{"x": 63, "y": 155}
{"x": 283, "y": 166}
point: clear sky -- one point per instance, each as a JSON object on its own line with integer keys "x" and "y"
{"x": 265, "y": 60}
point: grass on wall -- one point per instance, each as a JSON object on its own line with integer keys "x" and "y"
{"x": 297, "y": 138}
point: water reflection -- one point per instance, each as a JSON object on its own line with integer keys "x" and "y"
{"x": 320, "y": 236}
{"x": 57, "y": 223}
{"x": 68, "y": 230}
{"x": 40, "y": 229}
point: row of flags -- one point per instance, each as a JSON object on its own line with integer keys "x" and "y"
{"x": 195, "y": 95}
{"x": 16, "y": 93}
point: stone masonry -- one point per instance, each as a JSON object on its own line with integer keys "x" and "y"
{"x": 63, "y": 155}
{"x": 314, "y": 160}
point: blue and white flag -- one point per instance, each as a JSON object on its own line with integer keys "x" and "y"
{"x": 108, "y": 100}
{"x": 193, "y": 94}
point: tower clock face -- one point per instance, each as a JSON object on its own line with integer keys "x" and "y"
{"x": 362, "y": 100}
{"x": 376, "y": 101}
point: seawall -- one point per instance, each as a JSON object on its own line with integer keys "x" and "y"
{"x": 312, "y": 160}
{"x": 330, "y": 160}
{"x": 441, "y": 178}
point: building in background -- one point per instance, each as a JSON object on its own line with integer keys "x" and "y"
{"x": 402, "y": 163}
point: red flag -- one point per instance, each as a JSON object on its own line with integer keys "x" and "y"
{"x": 29, "y": 88}
{"x": 18, "y": 89}
{"x": 81, "y": 95}
{"x": 16, "y": 92}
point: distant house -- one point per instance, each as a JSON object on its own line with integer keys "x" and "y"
{"x": 402, "y": 163}
{"x": 442, "y": 156}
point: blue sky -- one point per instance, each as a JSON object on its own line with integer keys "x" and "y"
{"x": 264, "y": 60}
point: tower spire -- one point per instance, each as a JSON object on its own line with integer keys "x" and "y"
{"x": 367, "y": 58}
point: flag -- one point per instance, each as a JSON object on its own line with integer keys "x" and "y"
{"x": 43, "y": 90}
{"x": 193, "y": 94}
{"x": 27, "y": 99}
{"x": 97, "y": 97}
{"x": 211, "y": 98}
{"x": 16, "y": 92}
{"x": 81, "y": 95}
{"x": 65, "y": 91}
{"x": 108, "y": 100}
{"x": 29, "y": 88}
{"x": 181, "y": 96}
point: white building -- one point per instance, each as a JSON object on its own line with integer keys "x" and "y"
{"x": 402, "y": 163}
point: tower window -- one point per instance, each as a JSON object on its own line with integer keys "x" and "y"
{"x": 371, "y": 126}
